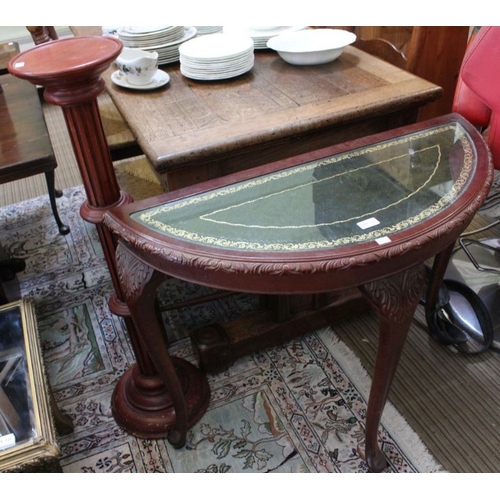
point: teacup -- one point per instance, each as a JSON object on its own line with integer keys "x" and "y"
{"x": 138, "y": 66}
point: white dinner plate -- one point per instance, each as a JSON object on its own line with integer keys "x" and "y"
{"x": 216, "y": 47}
{"x": 217, "y": 56}
{"x": 188, "y": 33}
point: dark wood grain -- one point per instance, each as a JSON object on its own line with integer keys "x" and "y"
{"x": 383, "y": 49}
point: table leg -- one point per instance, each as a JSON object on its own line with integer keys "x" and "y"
{"x": 53, "y": 194}
{"x": 396, "y": 299}
{"x": 184, "y": 397}
{"x": 439, "y": 267}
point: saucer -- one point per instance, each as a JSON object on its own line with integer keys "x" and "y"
{"x": 161, "y": 78}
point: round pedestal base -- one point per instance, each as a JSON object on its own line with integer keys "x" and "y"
{"x": 146, "y": 410}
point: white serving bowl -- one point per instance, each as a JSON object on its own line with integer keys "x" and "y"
{"x": 316, "y": 46}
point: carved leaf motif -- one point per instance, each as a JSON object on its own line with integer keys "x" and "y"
{"x": 397, "y": 295}
{"x": 132, "y": 273}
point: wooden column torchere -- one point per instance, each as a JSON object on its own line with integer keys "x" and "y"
{"x": 143, "y": 403}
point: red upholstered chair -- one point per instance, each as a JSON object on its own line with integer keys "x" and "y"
{"x": 477, "y": 96}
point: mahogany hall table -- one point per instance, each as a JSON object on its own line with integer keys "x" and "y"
{"x": 192, "y": 131}
{"x": 364, "y": 214}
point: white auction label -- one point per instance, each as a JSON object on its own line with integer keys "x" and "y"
{"x": 365, "y": 224}
{"x": 7, "y": 441}
{"x": 384, "y": 240}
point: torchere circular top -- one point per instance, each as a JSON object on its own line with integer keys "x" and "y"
{"x": 66, "y": 61}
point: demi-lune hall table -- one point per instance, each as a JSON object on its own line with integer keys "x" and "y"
{"x": 364, "y": 214}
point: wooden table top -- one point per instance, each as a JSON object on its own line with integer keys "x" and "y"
{"x": 189, "y": 121}
{"x": 24, "y": 139}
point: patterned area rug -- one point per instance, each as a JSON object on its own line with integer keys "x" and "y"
{"x": 299, "y": 407}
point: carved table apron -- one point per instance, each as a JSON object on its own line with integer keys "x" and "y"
{"x": 364, "y": 214}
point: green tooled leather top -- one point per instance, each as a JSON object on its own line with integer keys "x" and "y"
{"x": 364, "y": 194}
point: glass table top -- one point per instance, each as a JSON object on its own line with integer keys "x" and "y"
{"x": 365, "y": 194}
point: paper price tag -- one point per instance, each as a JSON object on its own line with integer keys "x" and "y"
{"x": 365, "y": 224}
{"x": 7, "y": 441}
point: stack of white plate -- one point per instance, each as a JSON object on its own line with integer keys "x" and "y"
{"x": 144, "y": 36}
{"x": 208, "y": 30}
{"x": 162, "y": 39}
{"x": 261, "y": 34}
{"x": 217, "y": 56}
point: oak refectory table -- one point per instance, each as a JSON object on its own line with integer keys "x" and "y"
{"x": 192, "y": 131}
{"x": 364, "y": 214}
